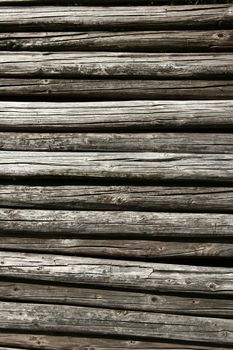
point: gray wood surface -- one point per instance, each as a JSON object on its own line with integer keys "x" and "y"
{"x": 115, "y": 89}
{"x": 111, "y": 65}
{"x": 118, "y": 142}
{"x": 115, "y": 299}
{"x": 48, "y": 342}
{"x": 118, "y": 248}
{"x": 134, "y": 94}
{"x": 153, "y": 17}
{"x": 124, "y": 165}
{"x": 160, "y": 198}
{"x": 103, "y": 2}
{"x": 145, "y": 41}
{"x": 95, "y": 321}
{"x": 119, "y": 115}
{"x": 134, "y": 275}
{"x": 115, "y": 224}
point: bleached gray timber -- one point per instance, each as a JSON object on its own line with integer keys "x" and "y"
{"x": 117, "y": 248}
{"x": 119, "y": 115}
{"x": 112, "y": 224}
{"x": 115, "y": 65}
{"x": 129, "y": 275}
{"x": 100, "y": 2}
{"x": 115, "y": 299}
{"x": 90, "y": 197}
{"x": 55, "y": 342}
{"x": 115, "y": 89}
{"x": 118, "y": 142}
{"x": 118, "y": 18}
{"x": 130, "y": 41}
{"x": 124, "y": 165}
{"x": 99, "y": 321}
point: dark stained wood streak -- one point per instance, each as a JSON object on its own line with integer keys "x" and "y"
{"x": 94, "y": 321}
{"x": 131, "y": 41}
{"x": 117, "y": 248}
{"x": 160, "y": 198}
{"x": 115, "y": 299}
{"x": 134, "y": 275}
{"x": 120, "y": 18}
{"x": 115, "y": 224}
{"x": 110, "y": 116}
{"x": 118, "y": 142}
{"x": 48, "y": 342}
{"x": 114, "y": 65}
{"x": 116, "y": 89}
{"x": 124, "y": 165}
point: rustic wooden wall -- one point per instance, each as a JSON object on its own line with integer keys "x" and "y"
{"x": 116, "y": 175}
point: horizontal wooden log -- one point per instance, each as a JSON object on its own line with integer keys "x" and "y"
{"x": 160, "y": 198}
{"x": 124, "y": 115}
{"x": 105, "y": 2}
{"x": 146, "y": 41}
{"x": 114, "y": 224}
{"x": 148, "y": 17}
{"x": 118, "y": 142}
{"x": 88, "y": 2}
{"x": 92, "y": 2}
{"x": 131, "y": 165}
{"x": 48, "y": 342}
{"x": 96, "y": 321}
{"x": 103, "y": 89}
{"x": 122, "y": 274}
{"x": 114, "y": 299}
{"x": 117, "y": 248}
{"x": 108, "y": 65}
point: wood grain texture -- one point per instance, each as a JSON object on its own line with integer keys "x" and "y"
{"x": 114, "y": 65}
{"x": 123, "y": 115}
{"x": 115, "y": 224}
{"x": 121, "y": 18}
{"x": 131, "y": 165}
{"x": 87, "y": 2}
{"x": 117, "y": 248}
{"x": 130, "y": 275}
{"x": 157, "y": 198}
{"x": 95, "y": 321}
{"x": 206, "y": 143}
{"x": 116, "y": 89}
{"x": 130, "y": 41}
{"x": 48, "y": 342}
{"x": 115, "y": 299}
{"x": 103, "y": 2}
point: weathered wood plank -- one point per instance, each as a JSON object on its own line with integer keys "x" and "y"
{"x": 4, "y": 348}
{"x": 115, "y": 89}
{"x": 48, "y": 342}
{"x": 115, "y": 224}
{"x": 101, "y": 18}
{"x": 131, "y": 165}
{"x": 124, "y": 115}
{"x": 114, "y": 299}
{"x": 122, "y": 274}
{"x": 118, "y": 142}
{"x": 93, "y": 321}
{"x": 110, "y": 65}
{"x": 104, "y": 2}
{"x": 117, "y": 248}
{"x": 160, "y": 198}
{"x": 151, "y": 41}
{"x": 91, "y": 2}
